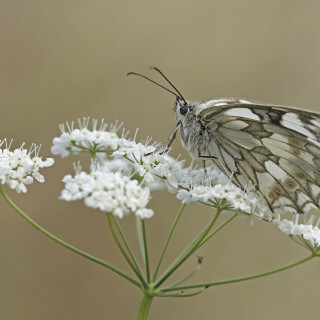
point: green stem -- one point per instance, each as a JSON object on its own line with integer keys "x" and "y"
{"x": 298, "y": 242}
{"x": 217, "y": 229}
{"x": 145, "y": 305}
{"x": 185, "y": 278}
{"x": 65, "y": 244}
{"x": 140, "y": 239}
{"x": 168, "y": 240}
{"x": 145, "y": 249}
{"x": 229, "y": 209}
{"x": 124, "y": 239}
{"x": 108, "y": 214}
{"x": 92, "y": 149}
{"x": 306, "y": 243}
{"x": 80, "y": 147}
{"x": 192, "y": 247}
{"x": 255, "y": 276}
{"x": 180, "y": 294}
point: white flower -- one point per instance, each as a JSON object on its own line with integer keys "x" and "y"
{"x": 235, "y": 197}
{"x": 119, "y": 164}
{"x": 19, "y": 167}
{"x": 307, "y": 230}
{"x": 149, "y": 165}
{"x": 108, "y": 191}
{"x": 62, "y": 145}
{"x": 76, "y": 140}
{"x": 185, "y": 196}
{"x": 144, "y": 213}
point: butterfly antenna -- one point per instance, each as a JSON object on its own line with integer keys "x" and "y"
{"x": 158, "y": 70}
{"x": 140, "y": 75}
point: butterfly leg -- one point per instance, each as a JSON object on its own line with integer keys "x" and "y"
{"x": 204, "y": 159}
{"x": 169, "y": 139}
{"x": 204, "y": 167}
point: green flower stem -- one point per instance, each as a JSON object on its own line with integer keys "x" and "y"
{"x": 298, "y": 242}
{"x": 248, "y": 214}
{"x": 191, "y": 248}
{"x": 65, "y": 244}
{"x": 80, "y": 147}
{"x": 145, "y": 249}
{"x": 185, "y": 278}
{"x": 201, "y": 244}
{"x": 180, "y": 294}
{"x": 255, "y": 276}
{"x": 216, "y": 230}
{"x": 145, "y": 305}
{"x": 124, "y": 239}
{"x": 93, "y": 149}
{"x": 306, "y": 243}
{"x": 229, "y": 209}
{"x": 168, "y": 240}
{"x": 140, "y": 238}
{"x": 108, "y": 214}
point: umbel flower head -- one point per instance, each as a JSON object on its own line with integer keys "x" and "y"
{"x": 76, "y": 140}
{"x": 107, "y": 191}
{"x": 307, "y": 230}
{"x": 19, "y": 168}
{"x": 136, "y": 165}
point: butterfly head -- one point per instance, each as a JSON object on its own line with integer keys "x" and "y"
{"x": 182, "y": 108}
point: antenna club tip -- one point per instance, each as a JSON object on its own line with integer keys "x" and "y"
{"x": 153, "y": 68}
{"x": 128, "y": 74}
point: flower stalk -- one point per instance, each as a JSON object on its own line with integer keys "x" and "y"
{"x": 131, "y": 264}
{"x": 189, "y": 250}
{"x": 167, "y": 241}
{"x": 254, "y": 276}
{"x": 145, "y": 305}
{"x": 145, "y": 247}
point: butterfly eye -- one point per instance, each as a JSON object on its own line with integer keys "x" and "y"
{"x": 184, "y": 110}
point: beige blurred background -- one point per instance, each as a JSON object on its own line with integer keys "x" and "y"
{"x": 61, "y": 60}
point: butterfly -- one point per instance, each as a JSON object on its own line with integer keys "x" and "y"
{"x": 275, "y": 149}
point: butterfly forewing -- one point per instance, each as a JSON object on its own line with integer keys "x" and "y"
{"x": 275, "y": 149}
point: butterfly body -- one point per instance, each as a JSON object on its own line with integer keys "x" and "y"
{"x": 275, "y": 149}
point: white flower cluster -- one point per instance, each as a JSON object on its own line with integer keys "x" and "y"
{"x": 108, "y": 191}
{"x": 137, "y": 154}
{"x": 308, "y": 231}
{"x": 154, "y": 170}
{"x": 127, "y": 168}
{"x": 190, "y": 184}
{"x": 235, "y": 197}
{"x": 76, "y": 140}
{"x": 151, "y": 165}
{"x": 20, "y": 167}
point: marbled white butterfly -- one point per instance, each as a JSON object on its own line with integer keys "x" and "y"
{"x": 273, "y": 148}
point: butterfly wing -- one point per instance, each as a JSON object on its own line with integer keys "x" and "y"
{"x": 275, "y": 149}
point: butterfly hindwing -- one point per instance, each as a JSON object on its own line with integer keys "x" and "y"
{"x": 275, "y": 149}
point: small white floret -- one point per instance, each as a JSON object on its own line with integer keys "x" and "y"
{"x": 18, "y": 168}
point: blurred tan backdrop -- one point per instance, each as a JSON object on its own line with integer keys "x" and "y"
{"x": 61, "y": 60}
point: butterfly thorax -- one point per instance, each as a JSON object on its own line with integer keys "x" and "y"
{"x": 194, "y": 136}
